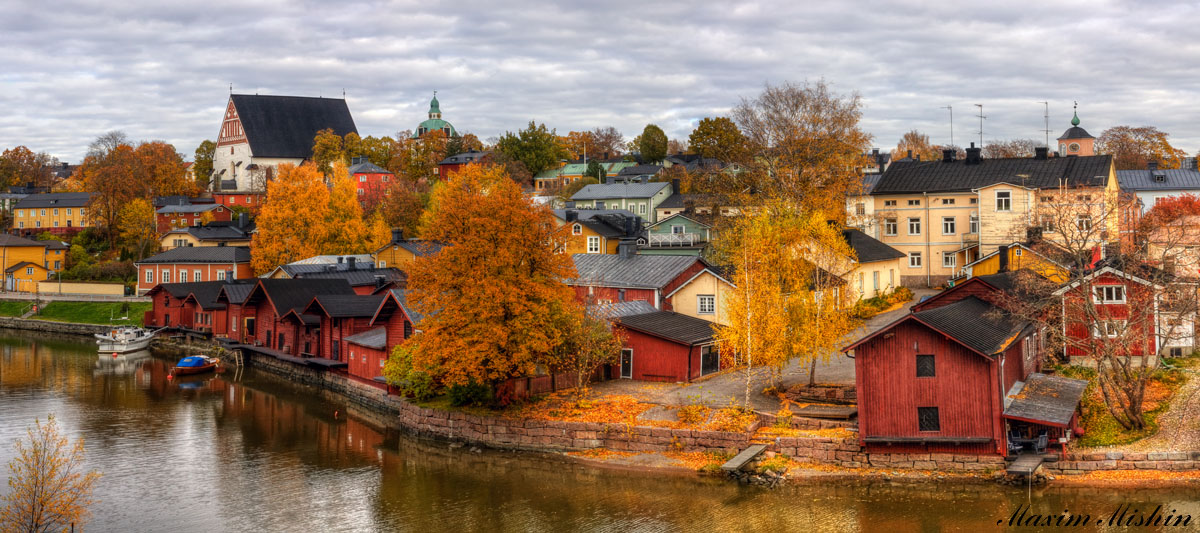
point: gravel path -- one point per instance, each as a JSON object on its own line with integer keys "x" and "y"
{"x": 1179, "y": 427}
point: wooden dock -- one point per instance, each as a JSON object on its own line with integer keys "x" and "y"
{"x": 744, "y": 458}
{"x": 1026, "y": 464}
{"x": 839, "y": 412}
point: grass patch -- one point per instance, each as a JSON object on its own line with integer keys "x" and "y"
{"x": 1101, "y": 429}
{"x": 105, "y": 313}
{"x": 13, "y": 308}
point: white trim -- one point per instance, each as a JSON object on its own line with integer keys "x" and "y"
{"x": 1108, "y": 270}
{"x": 693, "y": 278}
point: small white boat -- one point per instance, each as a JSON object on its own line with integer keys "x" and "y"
{"x": 124, "y": 339}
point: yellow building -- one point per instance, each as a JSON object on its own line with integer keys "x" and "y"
{"x": 54, "y": 212}
{"x": 26, "y": 262}
{"x": 232, "y": 233}
{"x": 703, "y": 296}
{"x": 875, "y": 269}
{"x": 597, "y": 231}
{"x": 1019, "y": 256}
{"x": 945, "y": 214}
{"x": 402, "y": 252}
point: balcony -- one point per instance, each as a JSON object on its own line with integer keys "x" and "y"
{"x": 674, "y": 239}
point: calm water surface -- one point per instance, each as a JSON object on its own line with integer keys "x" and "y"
{"x": 250, "y": 452}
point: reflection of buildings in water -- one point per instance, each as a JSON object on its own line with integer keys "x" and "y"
{"x": 121, "y": 364}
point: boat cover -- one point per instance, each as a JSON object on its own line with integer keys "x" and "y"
{"x": 191, "y": 361}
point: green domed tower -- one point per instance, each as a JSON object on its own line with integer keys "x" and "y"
{"x": 435, "y": 122}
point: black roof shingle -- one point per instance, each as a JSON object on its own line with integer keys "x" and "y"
{"x": 347, "y": 305}
{"x": 672, "y": 326}
{"x": 867, "y": 248}
{"x": 284, "y": 126}
{"x": 971, "y": 321}
{"x": 910, "y": 177}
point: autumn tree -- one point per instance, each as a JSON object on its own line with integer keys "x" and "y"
{"x": 107, "y": 142}
{"x": 1132, "y": 148}
{"x": 20, "y": 165}
{"x": 416, "y": 160}
{"x": 606, "y": 140}
{"x": 49, "y": 486}
{"x": 535, "y": 146}
{"x": 920, "y": 145}
{"x": 578, "y": 144}
{"x": 378, "y": 150}
{"x": 493, "y": 297}
{"x": 327, "y": 148}
{"x": 346, "y": 230}
{"x": 291, "y": 222}
{"x": 462, "y": 143}
{"x": 719, "y": 138}
{"x": 998, "y": 149}
{"x": 567, "y": 191}
{"x": 352, "y": 147}
{"x": 403, "y": 206}
{"x": 202, "y": 164}
{"x": 804, "y": 144}
{"x": 125, "y": 173}
{"x": 515, "y": 169}
{"x": 652, "y": 144}
{"x": 137, "y": 226}
{"x": 589, "y": 343}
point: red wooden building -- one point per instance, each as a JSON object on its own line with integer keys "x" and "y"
{"x": 249, "y": 200}
{"x": 170, "y": 217}
{"x": 340, "y": 316}
{"x": 192, "y": 264}
{"x": 665, "y": 346}
{"x": 391, "y": 325}
{"x": 451, "y": 164}
{"x": 1110, "y": 309}
{"x": 370, "y": 179}
{"x": 608, "y": 278}
{"x": 271, "y": 300}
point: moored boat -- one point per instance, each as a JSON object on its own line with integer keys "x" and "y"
{"x": 195, "y": 364}
{"x": 124, "y": 339}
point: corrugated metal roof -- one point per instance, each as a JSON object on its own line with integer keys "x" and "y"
{"x": 1145, "y": 180}
{"x": 1049, "y": 399}
{"x": 376, "y": 338}
{"x": 201, "y": 254}
{"x": 670, "y": 325}
{"x": 602, "y": 191}
{"x": 622, "y": 309}
{"x": 639, "y": 271}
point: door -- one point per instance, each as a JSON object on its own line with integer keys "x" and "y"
{"x": 709, "y": 360}
{"x": 627, "y": 363}
{"x": 334, "y": 350}
{"x": 279, "y": 342}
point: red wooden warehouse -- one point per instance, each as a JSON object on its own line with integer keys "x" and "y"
{"x": 665, "y": 346}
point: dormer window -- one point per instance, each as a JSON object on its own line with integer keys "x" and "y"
{"x": 577, "y": 230}
{"x": 1160, "y": 178}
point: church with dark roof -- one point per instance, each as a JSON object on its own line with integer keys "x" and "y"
{"x": 259, "y": 132}
{"x": 434, "y": 122}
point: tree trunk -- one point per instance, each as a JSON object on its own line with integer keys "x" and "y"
{"x": 812, "y": 372}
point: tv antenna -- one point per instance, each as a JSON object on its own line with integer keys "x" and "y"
{"x": 951, "y": 108}
{"x": 981, "y": 117}
{"x": 1047, "y": 117}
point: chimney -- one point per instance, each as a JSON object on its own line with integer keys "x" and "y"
{"x": 1040, "y": 152}
{"x": 229, "y": 274}
{"x": 340, "y": 258}
{"x": 1152, "y": 165}
{"x": 875, "y": 152}
{"x": 572, "y": 215}
{"x": 948, "y": 155}
{"x": 631, "y": 227}
{"x": 350, "y": 262}
{"x": 1003, "y": 253}
{"x": 397, "y": 235}
{"x": 973, "y": 155}
{"x": 1196, "y": 163}
{"x": 910, "y": 154}
{"x": 645, "y": 179}
{"x": 627, "y": 248}
{"x": 243, "y": 220}
{"x": 675, "y": 186}
{"x": 380, "y": 281}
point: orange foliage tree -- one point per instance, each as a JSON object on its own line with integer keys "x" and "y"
{"x": 124, "y": 173}
{"x": 493, "y": 298}
{"x": 1132, "y": 147}
{"x": 48, "y": 487}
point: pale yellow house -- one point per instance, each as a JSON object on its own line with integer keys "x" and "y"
{"x": 875, "y": 268}
{"x": 703, "y": 296}
{"x": 945, "y": 214}
{"x": 401, "y": 252}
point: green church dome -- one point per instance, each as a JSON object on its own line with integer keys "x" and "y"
{"x": 435, "y": 122}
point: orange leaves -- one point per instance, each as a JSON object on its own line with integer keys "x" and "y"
{"x": 124, "y": 173}
{"x": 49, "y": 488}
{"x": 615, "y": 409}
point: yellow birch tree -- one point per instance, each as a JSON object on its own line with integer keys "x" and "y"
{"x": 48, "y": 486}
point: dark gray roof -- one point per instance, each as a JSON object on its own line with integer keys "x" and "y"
{"x": 970, "y": 322}
{"x": 621, "y": 309}
{"x": 1042, "y": 398}
{"x": 639, "y": 271}
{"x": 206, "y": 293}
{"x": 1145, "y": 180}
{"x": 296, "y": 294}
{"x": 469, "y": 156}
{"x": 284, "y": 126}
{"x": 190, "y": 208}
{"x": 219, "y": 231}
{"x": 1075, "y": 132}
{"x": 869, "y": 181}
{"x": 402, "y": 297}
{"x": 236, "y": 291}
{"x": 939, "y": 176}
{"x": 367, "y": 167}
{"x": 202, "y": 254}
{"x": 672, "y": 326}
{"x": 357, "y": 277}
{"x": 867, "y": 248}
{"x": 602, "y": 191}
{"x": 56, "y": 245}
{"x": 347, "y": 305}
{"x": 13, "y": 240}
{"x": 640, "y": 170}
{"x": 376, "y": 338}
{"x": 419, "y": 247}
{"x": 681, "y": 200}
{"x": 179, "y": 199}
{"x": 55, "y": 199}
{"x": 23, "y": 264}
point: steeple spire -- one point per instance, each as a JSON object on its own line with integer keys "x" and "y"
{"x": 435, "y": 110}
{"x": 1075, "y": 120}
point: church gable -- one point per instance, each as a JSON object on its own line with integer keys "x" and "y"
{"x": 231, "y": 127}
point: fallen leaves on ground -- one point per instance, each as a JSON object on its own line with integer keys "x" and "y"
{"x": 601, "y": 454}
{"x": 1138, "y": 476}
{"x": 828, "y": 433}
{"x": 622, "y": 409}
{"x": 700, "y": 461}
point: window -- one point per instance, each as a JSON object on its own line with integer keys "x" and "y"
{"x": 875, "y": 280}
{"x": 1108, "y": 328}
{"x": 1085, "y": 198}
{"x": 927, "y": 419}
{"x": 914, "y": 226}
{"x": 1003, "y": 200}
{"x": 861, "y": 282}
{"x": 914, "y": 259}
{"x": 166, "y": 276}
{"x": 183, "y": 276}
{"x": 889, "y": 227}
{"x": 948, "y": 260}
{"x": 620, "y": 295}
{"x": 974, "y": 201}
{"x": 149, "y": 276}
{"x": 947, "y": 201}
{"x": 1048, "y": 199}
{"x": 677, "y": 230}
{"x": 56, "y": 223}
{"x": 196, "y": 276}
{"x": 360, "y": 192}
{"x": 577, "y": 229}
{"x": 641, "y": 209}
{"x": 1160, "y": 178}
{"x": 37, "y": 223}
{"x": 21, "y": 224}
{"x": 926, "y": 367}
{"x": 28, "y": 271}
{"x": 81, "y": 211}
{"x": 362, "y": 178}
{"x": 56, "y": 212}
{"x": 948, "y": 226}
{"x": 43, "y": 212}
{"x": 593, "y": 245}
{"x": 860, "y": 208}
{"x": 220, "y": 275}
{"x": 1047, "y": 223}
{"x": 1109, "y": 294}
{"x": 889, "y": 203}
{"x": 973, "y": 224}
{"x": 914, "y": 202}
{"x": 1084, "y": 223}
{"x": 891, "y": 277}
{"x": 383, "y": 264}
{"x": 706, "y": 304}
{"x": 1073, "y": 147}
{"x": 57, "y": 265}
{"x": 68, "y": 211}
{"x": 1017, "y": 252}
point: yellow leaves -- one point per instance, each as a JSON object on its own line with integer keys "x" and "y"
{"x": 49, "y": 489}
{"x": 136, "y": 224}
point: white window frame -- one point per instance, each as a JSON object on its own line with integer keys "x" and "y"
{"x": 1004, "y": 203}
{"x": 1108, "y": 294}
{"x": 165, "y": 276}
{"x": 1083, "y": 222}
{"x": 149, "y": 276}
{"x": 196, "y": 275}
{"x": 1111, "y": 328}
{"x": 949, "y": 225}
{"x": 973, "y": 223}
{"x": 914, "y": 259}
{"x": 949, "y": 259}
{"x": 593, "y": 244}
{"x": 577, "y": 229}
{"x": 706, "y": 304}
{"x": 183, "y": 276}
{"x": 681, "y": 229}
{"x": 220, "y": 275}
{"x": 891, "y": 227}
{"x": 911, "y": 222}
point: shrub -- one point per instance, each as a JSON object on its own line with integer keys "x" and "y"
{"x": 777, "y": 464}
{"x": 470, "y": 394}
{"x": 400, "y": 374}
{"x": 783, "y": 418}
{"x": 693, "y": 414}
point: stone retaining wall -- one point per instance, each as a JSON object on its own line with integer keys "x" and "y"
{"x": 1080, "y": 463}
{"x": 53, "y": 327}
{"x": 839, "y": 394}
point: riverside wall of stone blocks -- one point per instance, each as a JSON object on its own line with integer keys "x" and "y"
{"x": 1080, "y": 463}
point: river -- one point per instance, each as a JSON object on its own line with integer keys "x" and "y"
{"x": 248, "y": 451}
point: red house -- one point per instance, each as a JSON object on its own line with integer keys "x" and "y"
{"x": 192, "y": 264}
{"x": 170, "y": 217}
{"x": 372, "y": 180}
{"x": 168, "y": 305}
{"x": 1110, "y": 309}
{"x": 268, "y": 304}
{"x": 607, "y": 278}
{"x": 340, "y": 316}
{"x": 665, "y": 346}
{"x": 249, "y": 200}
{"x": 369, "y": 350}
{"x": 451, "y": 164}
{"x": 957, "y": 375}
{"x": 233, "y": 296}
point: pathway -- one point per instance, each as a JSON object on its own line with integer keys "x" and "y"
{"x": 1179, "y": 427}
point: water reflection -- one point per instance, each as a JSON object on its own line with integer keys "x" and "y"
{"x": 244, "y": 451}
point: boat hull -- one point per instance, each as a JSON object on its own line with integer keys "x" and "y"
{"x": 108, "y": 346}
{"x": 189, "y": 370}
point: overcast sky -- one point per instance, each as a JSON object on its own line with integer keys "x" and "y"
{"x": 73, "y": 70}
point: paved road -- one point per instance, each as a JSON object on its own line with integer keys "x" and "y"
{"x": 719, "y": 390}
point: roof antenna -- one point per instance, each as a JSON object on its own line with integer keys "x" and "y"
{"x": 343, "y": 93}
{"x": 981, "y": 117}
{"x": 1047, "y": 117}
{"x": 230, "y": 88}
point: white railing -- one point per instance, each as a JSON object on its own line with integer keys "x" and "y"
{"x": 673, "y": 239}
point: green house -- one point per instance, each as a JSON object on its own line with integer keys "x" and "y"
{"x": 678, "y": 234}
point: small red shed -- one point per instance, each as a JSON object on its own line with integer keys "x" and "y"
{"x": 666, "y": 346}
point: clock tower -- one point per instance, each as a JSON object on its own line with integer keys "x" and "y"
{"x": 1076, "y": 141}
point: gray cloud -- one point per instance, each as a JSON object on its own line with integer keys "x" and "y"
{"x": 71, "y": 71}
